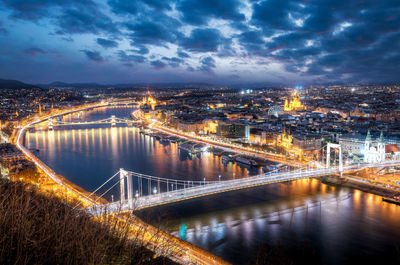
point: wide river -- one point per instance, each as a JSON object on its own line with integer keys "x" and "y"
{"x": 306, "y": 221}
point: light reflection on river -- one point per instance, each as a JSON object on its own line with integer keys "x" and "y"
{"x": 343, "y": 226}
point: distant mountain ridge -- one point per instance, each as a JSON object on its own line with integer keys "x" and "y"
{"x": 58, "y": 84}
{"x": 14, "y": 84}
{"x": 126, "y": 85}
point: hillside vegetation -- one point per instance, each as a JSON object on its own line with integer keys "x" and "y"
{"x": 38, "y": 229}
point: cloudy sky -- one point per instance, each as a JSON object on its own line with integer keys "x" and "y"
{"x": 216, "y": 41}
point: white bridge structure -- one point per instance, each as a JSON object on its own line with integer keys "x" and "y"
{"x": 139, "y": 191}
{"x": 51, "y": 123}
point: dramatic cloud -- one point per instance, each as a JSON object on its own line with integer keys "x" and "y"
{"x": 157, "y": 32}
{"x": 34, "y": 51}
{"x": 199, "y": 12}
{"x": 37, "y": 9}
{"x": 158, "y": 64}
{"x": 183, "y": 54}
{"x": 94, "y": 55}
{"x": 135, "y": 7}
{"x": 203, "y": 40}
{"x": 305, "y": 41}
{"x": 85, "y": 20}
{"x": 3, "y": 31}
{"x": 130, "y": 59}
{"x": 107, "y": 43}
{"x": 174, "y": 61}
{"x": 207, "y": 64}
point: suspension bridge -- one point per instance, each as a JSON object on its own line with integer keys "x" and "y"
{"x": 139, "y": 191}
{"x": 113, "y": 121}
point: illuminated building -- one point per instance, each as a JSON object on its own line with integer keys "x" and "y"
{"x": 285, "y": 140}
{"x": 149, "y": 101}
{"x": 260, "y": 137}
{"x": 374, "y": 151}
{"x": 147, "y": 116}
{"x": 210, "y": 126}
{"x": 216, "y": 106}
{"x": 234, "y": 130}
{"x": 293, "y": 103}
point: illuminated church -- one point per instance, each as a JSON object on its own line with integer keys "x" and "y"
{"x": 374, "y": 151}
{"x": 294, "y": 103}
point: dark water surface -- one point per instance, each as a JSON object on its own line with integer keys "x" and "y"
{"x": 333, "y": 225}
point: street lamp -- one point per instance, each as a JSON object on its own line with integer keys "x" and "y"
{"x": 154, "y": 190}
{"x": 219, "y": 177}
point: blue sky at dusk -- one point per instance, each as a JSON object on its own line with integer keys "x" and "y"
{"x": 215, "y": 41}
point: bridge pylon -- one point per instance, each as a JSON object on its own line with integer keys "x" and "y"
{"x": 113, "y": 121}
{"x": 50, "y": 124}
{"x": 328, "y": 155}
{"x": 125, "y": 176}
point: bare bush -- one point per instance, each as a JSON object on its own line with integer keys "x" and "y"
{"x": 38, "y": 229}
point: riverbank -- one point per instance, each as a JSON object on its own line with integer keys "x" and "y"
{"x": 362, "y": 186}
{"x": 156, "y": 125}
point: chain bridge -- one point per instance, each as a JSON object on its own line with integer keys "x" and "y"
{"x": 51, "y": 123}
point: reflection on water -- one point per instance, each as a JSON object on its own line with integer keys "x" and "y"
{"x": 344, "y": 226}
{"x": 90, "y": 155}
{"x": 341, "y": 225}
{"x": 68, "y": 151}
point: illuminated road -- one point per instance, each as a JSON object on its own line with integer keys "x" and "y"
{"x": 229, "y": 147}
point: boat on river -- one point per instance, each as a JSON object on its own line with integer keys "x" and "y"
{"x": 394, "y": 199}
{"x": 246, "y": 161}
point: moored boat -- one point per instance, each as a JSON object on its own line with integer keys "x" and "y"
{"x": 394, "y": 199}
{"x": 246, "y": 161}
{"x": 226, "y": 159}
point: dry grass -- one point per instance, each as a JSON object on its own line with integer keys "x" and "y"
{"x": 38, "y": 229}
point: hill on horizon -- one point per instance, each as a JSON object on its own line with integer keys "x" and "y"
{"x": 15, "y": 84}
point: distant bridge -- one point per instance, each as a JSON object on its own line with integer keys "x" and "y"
{"x": 51, "y": 123}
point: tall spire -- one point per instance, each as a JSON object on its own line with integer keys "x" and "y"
{"x": 381, "y": 138}
{"x": 368, "y": 138}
